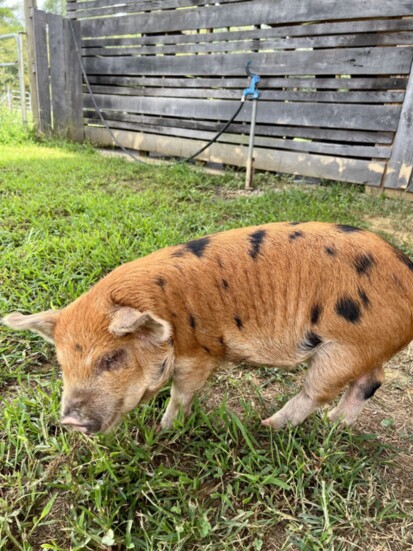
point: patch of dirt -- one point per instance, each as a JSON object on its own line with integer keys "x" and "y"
{"x": 229, "y": 194}
{"x": 275, "y": 186}
{"x": 390, "y": 225}
{"x": 389, "y": 414}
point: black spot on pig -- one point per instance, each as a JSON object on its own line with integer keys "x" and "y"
{"x": 348, "y": 309}
{"x": 256, "y": 239}
{"x": 198, "y": 246}
{"x": 363, "y": 263}
{"x": 315, "y": 313}
{"x": 238, "y": 321}
{"x": 347, "y": 229}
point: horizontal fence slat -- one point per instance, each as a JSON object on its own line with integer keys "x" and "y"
{"x": 314, "y": 29}
{"x": 134, "y": 7}
{"x": 355, "y": 83}
{"x": 387, "y": 60}
{"x": 366, "y": 117}
{"x": 339, "y": 41}
{"x": 325, "y": 134}
{"x": 273, "y": 143}
{"x": 283, "y": 95}
{"x": 262, "y": 12}
{"x": 318, "y": 166}
{"x": 140, "y": 5}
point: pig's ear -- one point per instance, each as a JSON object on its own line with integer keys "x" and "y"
{"x": 146, "y": 325}
{"x": 43, "y": 323}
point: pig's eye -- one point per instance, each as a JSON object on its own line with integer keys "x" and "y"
{"x": 111, "y": 361}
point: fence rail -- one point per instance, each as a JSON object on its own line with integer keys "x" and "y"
{"x": 12, "y": 100}
{"x": 337, "y": 86}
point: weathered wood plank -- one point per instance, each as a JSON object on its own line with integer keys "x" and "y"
{"x": 318, "y": 166}
{"x": 351, "y": 61}
{"x": 359, "y": 151}
{"x": 365, "y": 117}
{"x": 42, "y": 71}
{"x": 57, "y": 74}
{"x": 330, "y": 28}
{"x": 335, "y": 41}
{"x": 267, "y": 95}
{"x": 134, "y": 7}
{"x": 29, "y": 6}
{"x": 348, "y": 136}
{"x": 263, "y": 12}
{"x": 140, "y": 5}
{"x": 354, "y": 83}
{"x": 400, "y": 168}
{"x": 74, "y": 95}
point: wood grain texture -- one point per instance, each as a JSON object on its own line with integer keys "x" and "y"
{"x": 349, "y": 61}
{"x": 42, "y": 72}
{"x": 57, "y": 75}
{"x": 320, "y": 83}
{"x": 360, "y": 151}
{"x": 104, "y": 8}
{"x": 29, "y": 6}
{"x": 366, "y": 117}
{"x": 256, "y": 12}
{"x": 318, "y": 134}
{"x": 73, "y": 81}
{"x": 313, "y": 29}
{"x": 238, "y": 46}
{"x": 267, "y": 95}
{"x": 400, "y": 168}
{"x": 318, "y": 166}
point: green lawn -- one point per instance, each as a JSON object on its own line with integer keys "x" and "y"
{"x": 218, "y": 481}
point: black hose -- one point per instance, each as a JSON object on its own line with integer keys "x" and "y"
{"x": 214, "y": 139}
{"x": 95, "y": 105}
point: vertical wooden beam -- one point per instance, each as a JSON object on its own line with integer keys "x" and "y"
{"x": 57, "y": 74}
{"x": 74, "y": 92}
{"x": 42, "y": 72}
{"x": 29, "y": 6}
{"x": 400, "y": 165}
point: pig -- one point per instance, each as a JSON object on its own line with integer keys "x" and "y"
{"x": 335, "y": 296}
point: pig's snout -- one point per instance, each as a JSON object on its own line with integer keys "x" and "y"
{"x": 88, "y": 426}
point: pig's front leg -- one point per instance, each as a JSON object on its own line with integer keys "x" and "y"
{"x": 189, "y": 377}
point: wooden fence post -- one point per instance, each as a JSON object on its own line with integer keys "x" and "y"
{"x": 399, "y": 169}
{"x": 42, "y": 72}
{"x": 58, "y": 75}
{"x": 73, "y": 79}
{"x": 29, "y": 7}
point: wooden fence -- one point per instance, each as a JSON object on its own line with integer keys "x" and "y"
{"x": 337, "y": 84}
{"x": 55, "y": 73}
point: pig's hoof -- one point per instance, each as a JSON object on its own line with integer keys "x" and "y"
{"x": 344, "y": 417}
{"x": 166, "y": 423}
{"x": 276, "y": 422}
{"x": 334, "y": 415}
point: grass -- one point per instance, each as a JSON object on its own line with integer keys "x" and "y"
{"x": 219, "y": 480}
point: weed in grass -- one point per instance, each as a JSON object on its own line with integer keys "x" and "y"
{"x": 216, "y": 481}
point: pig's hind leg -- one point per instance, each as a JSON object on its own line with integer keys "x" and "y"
{"x": 331, "y": 368}
{"x": 355, "y": 397}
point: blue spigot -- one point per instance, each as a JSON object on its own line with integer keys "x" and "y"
{"x": 252, "y": 90}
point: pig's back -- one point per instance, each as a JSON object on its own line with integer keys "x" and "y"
{"x": 279, "y": 286}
